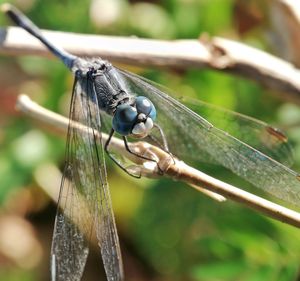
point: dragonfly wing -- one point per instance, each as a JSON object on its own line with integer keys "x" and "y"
{"x": 256, "y": 133}
{"x": 85, "y": 209}
{"x": 69, "y": 247}
{"x": 189, "y": 135}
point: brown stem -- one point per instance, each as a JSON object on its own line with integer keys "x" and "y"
{"x": 214, "y": 53}
{"x": 174, "y": 169}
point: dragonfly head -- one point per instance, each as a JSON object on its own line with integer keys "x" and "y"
{"x": 135, "y": 120}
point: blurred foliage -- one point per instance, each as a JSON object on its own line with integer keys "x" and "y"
{"x": 173, "y": 232}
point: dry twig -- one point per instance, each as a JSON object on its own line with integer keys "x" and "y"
{"x": 174, "y": 169}
{"x": 285, "y": 20}
{"x": 214, "y": 53}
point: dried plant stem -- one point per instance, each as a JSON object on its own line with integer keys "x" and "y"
{"x": 214, "y": 53}
{"x": 284, "y": 17}
{"x": 61, "y": 123}
{"x": 174, "y": 169}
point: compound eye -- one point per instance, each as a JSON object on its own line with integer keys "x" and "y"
{"x": 144, "y": 105}
{"x": 124, "y": 119}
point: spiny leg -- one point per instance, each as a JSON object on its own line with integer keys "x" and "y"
{"x": 106, "y": 146}
{"x": 141, "y": 156}
{"x": 164, "y": 146}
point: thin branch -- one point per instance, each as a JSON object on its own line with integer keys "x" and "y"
{"x": 56, "y": 121}
{"x": 174, "y": 169}
{"x": 285, "y": 21}
{"x": 213, "y": 53}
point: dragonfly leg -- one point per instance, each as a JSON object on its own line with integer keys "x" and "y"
{"x": 164, "y": 146}
{"x": 106, "y": 148}
{"x": 141, "y": 156}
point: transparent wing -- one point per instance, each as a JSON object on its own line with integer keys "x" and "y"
{"x": 190, "y": 136}
{"x": 256, "y": 133}
{"x": 85, "y": 205}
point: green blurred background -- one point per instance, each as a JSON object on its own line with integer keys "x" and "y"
{"x": 168, "y": 231}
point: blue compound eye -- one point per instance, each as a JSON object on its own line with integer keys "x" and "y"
{"x": 124, "y": 119}
{"x": 144, "y": 105}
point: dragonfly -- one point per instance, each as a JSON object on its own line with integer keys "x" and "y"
{"x": 108, "y": 99}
